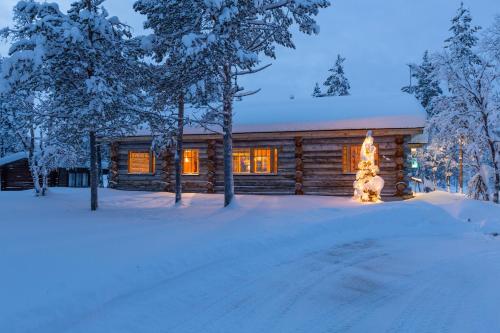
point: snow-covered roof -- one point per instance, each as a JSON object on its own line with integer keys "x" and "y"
{"x": 12, "y": 158}
{"x": 398, "y": 110}
{"x": 422, "y": 138}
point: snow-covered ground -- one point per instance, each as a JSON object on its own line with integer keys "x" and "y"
{"x": 266, "y": 264}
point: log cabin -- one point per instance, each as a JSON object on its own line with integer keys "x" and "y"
{"x": 295, "y": 147}
{"x": 15, "y": 174}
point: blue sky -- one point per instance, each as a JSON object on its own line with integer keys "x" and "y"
{"x": 378, "y": 38}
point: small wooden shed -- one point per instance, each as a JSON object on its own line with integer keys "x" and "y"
{"x": 15, "y": 174}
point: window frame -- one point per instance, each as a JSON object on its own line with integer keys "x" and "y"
{"x": 249, "y": 160}
{"x": 152, "y": 162}
{"x": 347, "y": 155}
{"x": 197, "y": 161}
{"x": 273, "y": 163}
{"x": 270, "y": 164}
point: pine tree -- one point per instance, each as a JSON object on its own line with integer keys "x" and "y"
{"x": 90, "y": 62}
{"x": 176, "y": 80}
{"x": 427, "y": 86}
{"x": 225, "y": 39}
{"x": 317, "y": 91}
{"x": 337, "y": 84}
{"x": 463, "y": 38}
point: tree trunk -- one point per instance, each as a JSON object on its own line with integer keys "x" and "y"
{"x": 34, "y": 168}
{"x": 93, "y": 171}
{"x": 460, "y": 167}
{"x": 228, "y": 137}
{"x": 99, "y": 165}
{"x": 45, "y": 182}
{"x": 496, "y": 186}
{"x": 178, "y": 152}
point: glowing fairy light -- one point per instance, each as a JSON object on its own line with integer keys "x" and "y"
{"x": 368, "y": 186}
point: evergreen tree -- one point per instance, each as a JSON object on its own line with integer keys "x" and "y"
{"x": 468, "y": 113}
{"x": 317, "y": 91}
{"x": 88, "y": 58}
{"x": 225, "y": 39}
{"x": 368, "y": 186}
{"x": 463, "y": 38}
{"x": 337, "y": 84}
{"x": 427, "y": 86}
{"x": 176, "y": 80}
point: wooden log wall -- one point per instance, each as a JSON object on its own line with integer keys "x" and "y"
{"x": 299, "y": 166}
{"x": 323, "y": 165}
{"x": 211, "y": 166}
{"x": 194, "y": 183}
{"x": 142, "y": 182}
{"x": 306, "y": 165}
{"x": 114, "y": 166}
{"x": 16, "y": 176}
{"x": 167, "y": 169}
{"x": 281, "y": 183}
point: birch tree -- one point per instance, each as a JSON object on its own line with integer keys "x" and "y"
{"x": 25, "y": 84}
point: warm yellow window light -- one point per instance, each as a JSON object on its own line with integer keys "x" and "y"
{"x": 241, "y": 160}
{"x": 351, "y": 158}
{"x": 141, "y": 162}
{"x": 191, "y": 162}
{"x": 262, "y": 160}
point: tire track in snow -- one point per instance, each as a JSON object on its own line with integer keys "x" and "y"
{"x": 436, "y": 306}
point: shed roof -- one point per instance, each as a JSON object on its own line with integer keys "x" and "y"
{"x": 12, "y": 158}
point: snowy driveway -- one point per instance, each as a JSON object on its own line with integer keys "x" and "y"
{"x": 268, "y": 264}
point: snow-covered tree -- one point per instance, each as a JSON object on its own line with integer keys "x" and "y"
{"x": 491, "y": 39}
{"x": 368, "y": 186}
{"x": 439, "y": 159}
{"x": 225, "y": 38}
{"x": 477, "y": 187}
{"x": 9, "y": 143}
{"x": 469, "y": 111}
{"x": 427, "y": 86}
{"x": 89, "y": 62}
{"x": 24, "y": 85}
{"x": 337, "y": 83}
{"x": 317, "y": 91}
{"x": 463, "y": 37}
{"x": 177, "y": 79}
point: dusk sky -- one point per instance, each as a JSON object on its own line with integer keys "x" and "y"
{"x": 378, "y": 38}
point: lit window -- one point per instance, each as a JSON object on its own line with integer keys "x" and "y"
{"x": 190, "y": 162}
{"x": 141, "y": 162}
{"x": 351, "y": 154}
{"x": 262, "y": 160}
{"x": 241, "y": 160}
